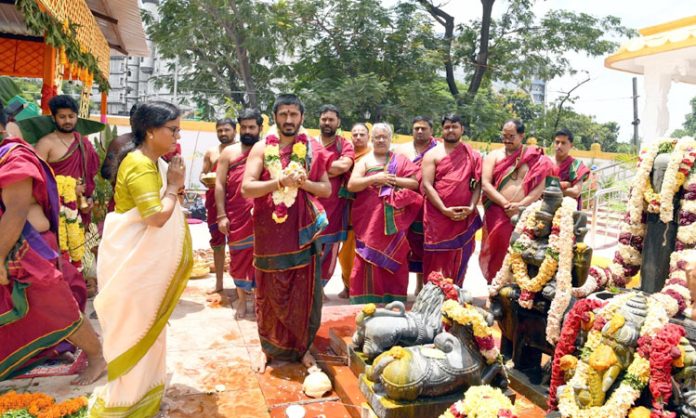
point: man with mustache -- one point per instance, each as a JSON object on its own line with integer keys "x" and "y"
{"x": 572, "y": 172}
{"x": 361, "y": 143}
{"x": 234, "y": 219}
{"x": 423, "y": 142}
{"x": 341, "y": 155}
{"x": 285, "y": 174}
{"x": 72, "y": 156}
{"x": 386, "y": 203}
{"x": 225, "y": 129}
{"x": 452, "y": 186}
{"x": 513, "y": 177}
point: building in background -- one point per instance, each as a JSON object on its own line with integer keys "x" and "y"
{"x": 132, "y": 79}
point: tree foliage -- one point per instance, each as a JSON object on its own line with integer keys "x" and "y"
{"x": 689, "y": 126}
{"x": 380, "y": 62}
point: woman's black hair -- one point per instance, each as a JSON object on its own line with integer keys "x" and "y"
{"x": 147, "y": 116}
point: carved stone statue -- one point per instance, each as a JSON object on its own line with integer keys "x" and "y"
{"x": 524, "y": 330}
{"x": 383, "y": 328}
{"x": 660, "y": 237}
{"x": 452, "y": 363}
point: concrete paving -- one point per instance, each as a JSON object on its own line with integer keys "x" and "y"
{"x": 209, "y": 352}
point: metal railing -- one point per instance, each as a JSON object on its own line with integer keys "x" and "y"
{"x": 606, "y": 216}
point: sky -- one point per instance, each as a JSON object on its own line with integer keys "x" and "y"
{"x": 608, "y": 94}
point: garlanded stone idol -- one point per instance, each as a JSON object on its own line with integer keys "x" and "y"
{"x": 545, "y": 263}
{"x": 379, "y": 329}
{"x": 462, "y": 356}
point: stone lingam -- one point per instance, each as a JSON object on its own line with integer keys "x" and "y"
{"x": 546, "y": 260}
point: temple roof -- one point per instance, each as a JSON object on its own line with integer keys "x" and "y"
{"x": 672, "y": 42}
{"x": 118, "y": 20}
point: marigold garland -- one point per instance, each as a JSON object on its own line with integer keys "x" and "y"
{"x": 41, "y": 405}
{"x": 468, "y": 315}
{"x": 71, "y": 235}
{"x": 285, "y": 196}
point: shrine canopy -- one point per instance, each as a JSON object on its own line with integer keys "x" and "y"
{"x": 663, "y": 54}
{"x": 68, "y": 39}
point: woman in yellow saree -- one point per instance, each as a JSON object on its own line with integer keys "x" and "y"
{"x": 144, "y": 263}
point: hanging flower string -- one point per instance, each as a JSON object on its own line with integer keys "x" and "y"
{"x": 71, "y": 236}
{"x": 446, "y": 285}
{"x": 285, "y": 196}
{"x": 628, "y": 257}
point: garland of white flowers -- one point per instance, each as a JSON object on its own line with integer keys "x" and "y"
{"x": 284, "y": 197}
{"x": 562, "y": 245}
{"x": 564, "y": 280}
{"x": 628, "y": 256}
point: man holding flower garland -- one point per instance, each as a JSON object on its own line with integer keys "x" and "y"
{"x": 285, "y": 174}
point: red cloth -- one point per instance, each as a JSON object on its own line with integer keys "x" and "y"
{"x": 71, "y": 165}
{"x": 448, "y": 243}
{"x": 241, "y": 235}
{"x": 573, "y": 171}
{"x": 336, "y": 207}
{"x": 50, "y": 314}
{"x": 217, "y": 238}
{"x": 416, "y": 240}
{"x": 71, "y": 274}
{"x": 288, "y": 285}
{"x": 497, "y": 227}
{"x": 380, "y": 270}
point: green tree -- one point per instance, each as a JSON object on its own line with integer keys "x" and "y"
{"x": 374, "y": 63}
{"x": 517, "y": 46}
{"x": 222, "y": 48}
{"x": 689, "y": 126}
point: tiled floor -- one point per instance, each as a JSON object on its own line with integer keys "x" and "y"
{"x": 208, "y": 362}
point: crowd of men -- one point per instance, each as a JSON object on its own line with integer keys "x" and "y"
{"x": 380, "y": 210}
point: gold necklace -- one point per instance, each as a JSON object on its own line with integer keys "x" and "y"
{"x": 66, "y": 145}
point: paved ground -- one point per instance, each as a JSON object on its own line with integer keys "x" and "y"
{"x": 209, "y": 353}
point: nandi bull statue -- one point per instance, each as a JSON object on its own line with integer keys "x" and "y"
{"x": 463, "y": 356}
{"x": 379, "y": 329}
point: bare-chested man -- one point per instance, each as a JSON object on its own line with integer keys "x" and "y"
{"x": 235, "y": 210}
{"x": 423, "y": 142}
{"x": 225, "y": 129}
{"x": 513, "y": 177}
{"x": 452, "y": 186}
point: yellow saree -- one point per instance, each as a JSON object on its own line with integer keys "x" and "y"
{"x": 142, "y": 271}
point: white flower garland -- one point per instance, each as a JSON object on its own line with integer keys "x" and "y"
{"x": 564, "y": 282}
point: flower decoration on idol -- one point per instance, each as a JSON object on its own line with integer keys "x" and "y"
{"x": 481, "y": 402}
{"x": 558, "y": 261}
{"x": 285, "y": 196}
{"x": 579, "y": 374}
{"x": 642, "y": 200}
{"x": 469, "y": 315}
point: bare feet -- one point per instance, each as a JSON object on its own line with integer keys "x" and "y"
{"x": 258, "y": 362}
{"x": 241, "y": 307}
{"x": 344, "y": 294}
{"x": 213, "y": 291}
{"x": 308, "y": 360}
{"x": 96, "y": 368}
